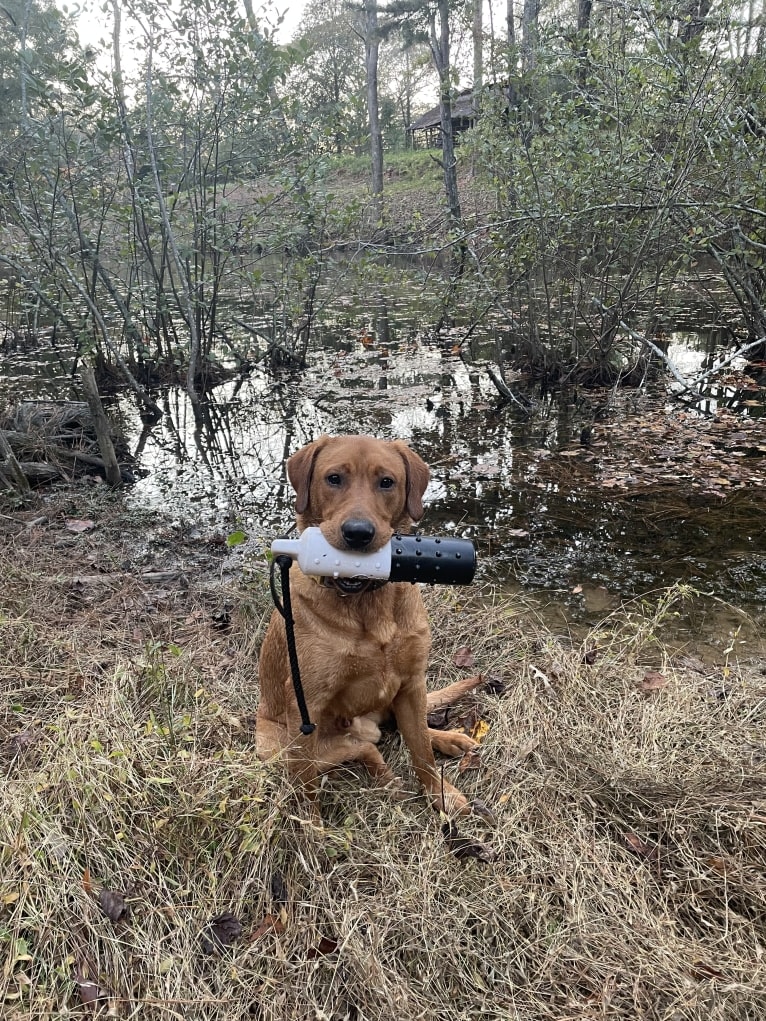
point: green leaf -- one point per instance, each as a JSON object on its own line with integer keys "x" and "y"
{"x": 236, "y": 539}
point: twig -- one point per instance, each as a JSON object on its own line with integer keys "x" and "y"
{"x": 504, "y": 389}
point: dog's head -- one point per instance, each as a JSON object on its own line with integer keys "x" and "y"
{"x": 357, "y": 489}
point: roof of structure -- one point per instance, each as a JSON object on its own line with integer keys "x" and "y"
{"x": 462, "y": 106}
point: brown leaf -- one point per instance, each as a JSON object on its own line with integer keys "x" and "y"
{"x": 270, "y": 923}
{"x": 21, "y": 740}
{"x": 640, "y": 847}
{"x": 323, "y": 948}
{"x": 278, "y": 889}
{"x": 221, "y": 931}
{"x": 439, "y": 718}
{"x": 590, "y": 656}
{"x": 470, "y": 760}
{"x": 652, "y": 681}
{"x": 92, "y": 995}
{"x": 717, "y": 863}
{"x": 526, "y": 749}
{"x": 465, "y": 847}
{"x": 701, "y": 970}
{"x": 495, "y": 685}
{"x": 464, "y": 657}
{"x": 112, "y": 903}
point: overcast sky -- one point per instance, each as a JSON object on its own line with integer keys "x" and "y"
{"x": 95, "y": 27}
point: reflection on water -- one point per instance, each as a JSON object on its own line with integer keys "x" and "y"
{"x": 378, "y": 372}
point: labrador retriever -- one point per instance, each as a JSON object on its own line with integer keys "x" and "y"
{"x": 362, "y": 648}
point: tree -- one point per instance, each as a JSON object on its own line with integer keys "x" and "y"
{"x": 371, "y": 48}
{"x": 330, "y": 75}
{"x": 429, "y": 21}
{"x": 38, "y": 53}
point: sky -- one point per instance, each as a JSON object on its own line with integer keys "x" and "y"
{"x": 94, "y": 27}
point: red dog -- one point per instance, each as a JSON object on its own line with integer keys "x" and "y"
{"x": 362, "y": 651}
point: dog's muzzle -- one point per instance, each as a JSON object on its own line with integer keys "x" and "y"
{"x": 357, "y": 533}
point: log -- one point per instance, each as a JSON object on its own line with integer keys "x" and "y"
{"x": 101, "y": 425}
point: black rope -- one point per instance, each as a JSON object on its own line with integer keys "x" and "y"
{"x": 284, "y": 563}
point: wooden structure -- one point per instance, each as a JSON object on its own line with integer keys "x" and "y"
{"x": 426, "y": 131}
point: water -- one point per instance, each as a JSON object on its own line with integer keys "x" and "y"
{"x": 582, "y": 500}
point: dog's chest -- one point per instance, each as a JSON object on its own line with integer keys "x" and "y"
{"x": 370, "y": 672}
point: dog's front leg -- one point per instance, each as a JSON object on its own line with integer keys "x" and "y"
{"x": 410, "y": 710}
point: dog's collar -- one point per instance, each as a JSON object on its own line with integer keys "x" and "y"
{"x": 350, "y": 586}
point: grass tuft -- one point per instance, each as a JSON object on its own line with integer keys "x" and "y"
{"x": 152, "y": 868}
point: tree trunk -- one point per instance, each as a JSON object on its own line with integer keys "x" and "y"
{"x": 530, "y": 34}
{"x": 440, "y": 52}
{"x": 691, "y": 17}
{"x": 184, "y": 283}
{"x": 478, "y": 54}
{"x": 101, "y": 425}
{"x": 584, "y": 11}
{"x": 371, "y": 48}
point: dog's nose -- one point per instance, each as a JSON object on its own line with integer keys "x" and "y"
{"x": 357, "y": 532}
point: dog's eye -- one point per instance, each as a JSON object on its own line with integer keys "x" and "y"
{"x": 334, "y": 479}
{"x": 387, "y": 483}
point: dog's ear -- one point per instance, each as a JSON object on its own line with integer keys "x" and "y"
{"x": 418, "y": 477}
{"x": 300, "y": 468}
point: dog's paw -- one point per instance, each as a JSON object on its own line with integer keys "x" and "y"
{"x": 451, "y": 742}
{"x": 450, "y": 801}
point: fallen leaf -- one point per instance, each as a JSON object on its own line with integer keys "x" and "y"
{"x": 270, "y": 923}
{"x": 278, "y": 889}
{"x": 112, "y": 903}
{"x": 439, "y": 718}
{"x": 92, "y": 995}
{"x": 463, "y": 657}
{"x": 652, "y": 681}
{"x": 590, "y": 656}
{"x": 640, "y": 847}
{"x": 495, "y": 685}
{"x": 22, "y": 740}
{"x": 78, "y": 525}
{"x": 717, "y": 863}
{"x": 526, "y": 749}
{"x": 221, "y": 931}
{"x": 701, "y": 970}
{"x": 466, "y": 847}
{"x": 470, "y": 760}
{"x": 479, "y": 731}
{"x": 323, "y": 948}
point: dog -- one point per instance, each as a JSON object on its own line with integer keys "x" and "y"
{"x": 362, "y": 649}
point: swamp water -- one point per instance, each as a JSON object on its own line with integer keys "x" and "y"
{"x": 583, "y": 502}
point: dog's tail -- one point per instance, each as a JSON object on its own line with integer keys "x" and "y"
{"x": 452, "y": 693}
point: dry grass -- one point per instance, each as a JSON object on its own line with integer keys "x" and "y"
{"x": 630, "y": 879}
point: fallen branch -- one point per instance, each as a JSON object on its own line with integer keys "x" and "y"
{"x": 686, "y": 386}
{"x": 503, "y": 389}
{"x": 14, "y": 469}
